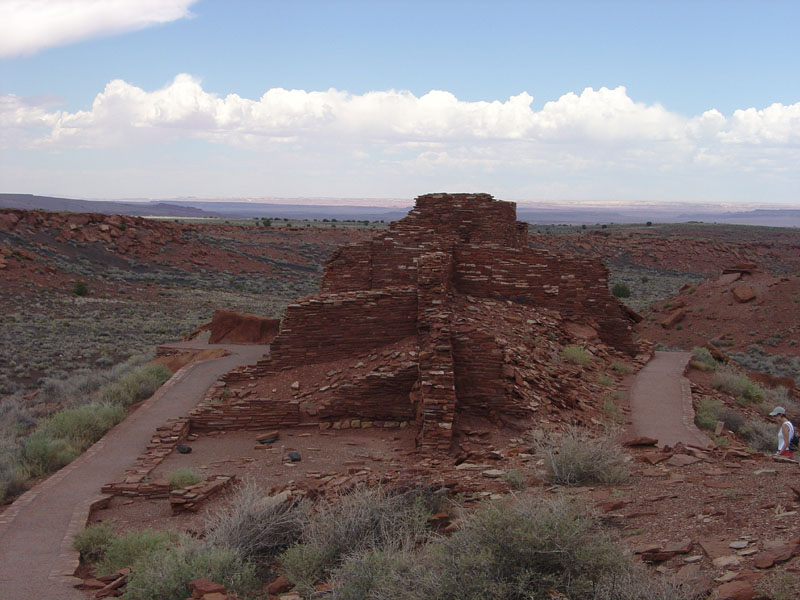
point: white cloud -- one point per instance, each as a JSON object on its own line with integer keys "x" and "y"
{"x": 28, "y": 26}
{"x": 389, "y": 138}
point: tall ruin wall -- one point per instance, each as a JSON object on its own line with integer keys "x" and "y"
{"x": 323, "y": 328}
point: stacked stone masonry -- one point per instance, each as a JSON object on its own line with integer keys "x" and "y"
{"x": 407, "y": 283}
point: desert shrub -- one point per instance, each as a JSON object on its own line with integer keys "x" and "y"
{"x": 733, "y": 419}
{"x": 576, "y": 355}
{"x": 136, "y": 385}
{"x": 706, "y": 412}
{"x": 761, "y": 436}
{"x": 737, "y": 384}
{"x": 516, "y": 479}
{"x": 13, "y": 476}
{"x": 257, "y": 527}
{"x": 126, "y": 550}
{"x": 703, "y": 360}
{"x": 580, "y": 459}
{"x": 83, "y": 426}
{"x": 621, "y": 290}
{"x": 183, "y": 477}
{"x": 165, "y": 574}
{"x": 362, "y": 520}
{"x": 93, "y": 541}
{"x": 80, "y": 288}
{"x": 42, "y": 454}
{"x": 530, "y": 549}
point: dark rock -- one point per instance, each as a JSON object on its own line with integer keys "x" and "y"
{"x": 294, "y": 456}
{"x": 183, "y": 449}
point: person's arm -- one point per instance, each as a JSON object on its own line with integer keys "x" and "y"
{"x": 786, "y": 438}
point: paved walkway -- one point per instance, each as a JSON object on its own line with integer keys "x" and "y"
{"x": 36, "y": 556}
{"x": 661, "y": 402}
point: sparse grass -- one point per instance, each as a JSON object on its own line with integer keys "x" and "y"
{"x": 581, "y": 459}
{"x": 183, "y": 477}
{"x": 605, "y": 380}
{"x": 613, "y": 411}
{"x": 364, "y": 520}
{"x": 621, "y": 367}
{"x": 576, "y": 355}
{"x": 527, "y": 549}
{"x": 779, "y": 585}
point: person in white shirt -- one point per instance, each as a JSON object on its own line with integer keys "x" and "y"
{"x": 785, "y": 433}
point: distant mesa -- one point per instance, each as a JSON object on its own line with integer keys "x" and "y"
{"x": 445, "y": 317}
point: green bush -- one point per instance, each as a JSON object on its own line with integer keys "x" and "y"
{"x": 126, "y": 550}
{"x": 706, "y": 413}
{"x": 621, "y": 290}
{"x": 580, "y": 459}
{"x": 576, "y": 355}
{"x": 135, "y": 386}
{"x": 80, "y": 288}
{"x": 93, "y": 541}
{"x": 362, "y": 520}
{"x": 165, "y": 574}
{"x": 739, "y": 385}
{"x": 703, "y": 359}
{"x": 83, "y": 426}
{"x": 13, "y": 476}
{"x": 183, "y": 477}
{"x": 43, "y": 455}
{"x": 256, "y": 526}
{"x": 529, "y": 549}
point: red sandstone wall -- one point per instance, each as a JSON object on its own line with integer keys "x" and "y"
{"x": 335, "y": 326}
{"x": 575, "y": 286}
{"x": 378, "y": 396}
{"x": 480, "y": 386}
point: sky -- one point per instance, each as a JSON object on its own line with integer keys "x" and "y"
{"x": 599, "y": 102}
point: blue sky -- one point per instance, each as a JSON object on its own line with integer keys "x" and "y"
{"x": 604, "y": 102}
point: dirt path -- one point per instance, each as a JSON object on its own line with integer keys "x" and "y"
{"x": 36, "y": 556}
{"x": 661, "y": 402}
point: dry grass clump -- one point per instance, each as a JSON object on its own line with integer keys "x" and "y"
{"x": 256, "y": 526}
{"x": 579, "y": 458}
{"x": 363, "y": 520}
{"x": 526, "y": 549}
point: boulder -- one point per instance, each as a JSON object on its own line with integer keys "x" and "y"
{"x": 736, "y": 590}
{"x": 743, "y": 293}
{"x": 673, "y": 318}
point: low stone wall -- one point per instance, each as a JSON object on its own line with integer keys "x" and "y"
{"x": 136, "y": 480}
{"x": 190, "y": 498}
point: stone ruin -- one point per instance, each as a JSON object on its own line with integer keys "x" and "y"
{"x": 452, "y": 311}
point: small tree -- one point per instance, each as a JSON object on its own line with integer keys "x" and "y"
{"x": 80, "y": 289}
